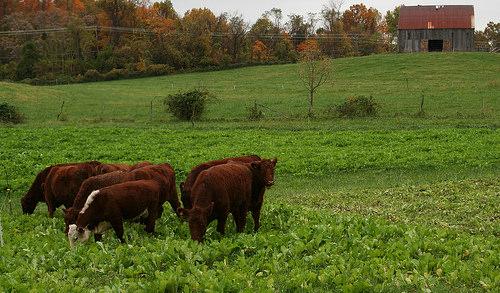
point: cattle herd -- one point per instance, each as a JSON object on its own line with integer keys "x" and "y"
{"x": 100, "y": 196}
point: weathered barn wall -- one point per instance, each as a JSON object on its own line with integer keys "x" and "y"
{"x": 453, "y": 39}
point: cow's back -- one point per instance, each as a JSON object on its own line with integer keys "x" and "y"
{"x": 63, "y": 182}
{"x": 228, "y": 184}
{"x": 193, "y": 175}
{"x": 97, "y": 182}
{"x": 132, "y": 197}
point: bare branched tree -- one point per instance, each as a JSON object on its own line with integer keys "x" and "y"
{"x": 331, "y": 13}
{"x": 314, "y": 71}
{"x": 237, "y": 31}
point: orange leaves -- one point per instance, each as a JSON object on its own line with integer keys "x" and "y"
{"x": 358, "y": 18}
{"x": 260, "y": 52}
{"x": 308, "y": 45}
{"x": 152, "y": 18}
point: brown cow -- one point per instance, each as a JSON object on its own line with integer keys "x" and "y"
{"x": 111, "y": 205}
{"x": 163, "y": 173}
{"x": 187, "y": 185}
{"x": 36, "y": 192}
{"x": 225, "y": 189}
{"x": 62, "y": 185}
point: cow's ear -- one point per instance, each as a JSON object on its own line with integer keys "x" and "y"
{"x": 183, "y": 213}
{"x": 274, "y": 161}
{"x": 255, "y": 165}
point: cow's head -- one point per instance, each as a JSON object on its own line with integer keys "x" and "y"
{"x": 77, "y": 234}
{"x": 70, "y": 216}
{"x": 198, "y": 220}
{"x": 264, "y": 171}
{"x": 28, "y": 204}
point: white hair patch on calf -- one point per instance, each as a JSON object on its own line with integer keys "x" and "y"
{"x": 90, "y": 199}
{"x": 74, "y": 236}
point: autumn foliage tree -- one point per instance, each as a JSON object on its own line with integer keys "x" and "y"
{"x": 260, "y": 52}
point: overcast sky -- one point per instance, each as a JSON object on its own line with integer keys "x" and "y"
{"x": 485, "y": 10}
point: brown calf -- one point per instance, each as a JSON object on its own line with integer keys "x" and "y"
{"x": 187, "y": 185}
{"x": 225, "y": 189}
{"x": 163, "y": 173}
{"x": 111, "y": 205}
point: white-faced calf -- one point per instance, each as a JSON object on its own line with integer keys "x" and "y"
{"x": 108, "y": 207}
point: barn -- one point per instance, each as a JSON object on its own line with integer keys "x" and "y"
{"x": 436, "y": 28}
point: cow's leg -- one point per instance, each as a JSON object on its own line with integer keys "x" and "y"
{"x": 240, "y": 218}
{"x": 49, "y": 200}
{"x": 151, "y": 219}
{"x": 256, "y": 216}
{"x": 117, "y": 225}
{"x": 221, "y": 224}
{"x": 97, "y": 237}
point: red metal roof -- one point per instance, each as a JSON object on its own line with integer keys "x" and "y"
{"x": 436, "y": 17}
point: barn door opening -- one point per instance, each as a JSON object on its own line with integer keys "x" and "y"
{"x": 435, "y": 45}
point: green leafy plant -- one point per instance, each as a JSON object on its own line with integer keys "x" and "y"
{"x": 188, "y": 106}
{"x": 10, "y": 114}
{"x": 357, "y": 106}
{"x": 254, "y": 112}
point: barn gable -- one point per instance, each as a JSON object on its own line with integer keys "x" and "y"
{"x": 436, "y": 28}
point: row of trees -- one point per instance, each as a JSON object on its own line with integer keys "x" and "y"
{"x": 51, "y": 39}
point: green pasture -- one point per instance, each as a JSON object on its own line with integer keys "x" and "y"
{"x": 351, "y": 210}
{"x": 386, "y": 204}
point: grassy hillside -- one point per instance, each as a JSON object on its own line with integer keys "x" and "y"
{"x": 454, "y": 85}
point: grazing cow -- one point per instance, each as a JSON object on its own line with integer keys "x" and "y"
{"x": 109, "y": 206}
{"x": 228, "y": 188}
{"x": 62, "y": 185}
{"x": 163, "y": 173}
{"x": 187, "y": 185}
{"x": 36, "y": 192}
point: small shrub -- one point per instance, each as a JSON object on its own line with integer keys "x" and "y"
{"x": 92, "y": 75}
{"x": 10, "y": 114}
{"x": 115, "y": 74}
{"x": 357, "y": 106}
{"x": 187, "y": 106}
{"x": 158, "y": 69}
{"x": 254, "y": 112}
{"x": 8, "y": 71}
